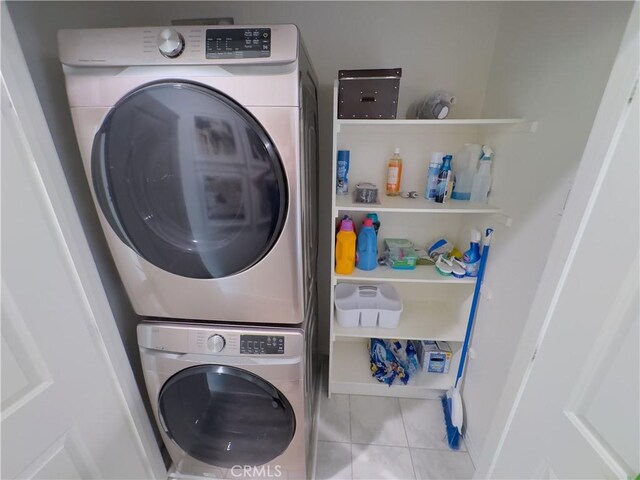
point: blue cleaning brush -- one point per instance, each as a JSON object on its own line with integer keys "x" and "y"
{"x": 453, "y": 416}
{"x": 452, "y": 400}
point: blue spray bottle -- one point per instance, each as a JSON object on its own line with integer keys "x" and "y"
{"x": 471, "y": 257}
{"x": 445, "y": 180}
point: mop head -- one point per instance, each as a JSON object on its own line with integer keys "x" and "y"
{"x": 452, "y": 406}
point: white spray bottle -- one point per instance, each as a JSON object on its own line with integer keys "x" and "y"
{"x": 482, "y": 179}
{"x": 465, "y": 166}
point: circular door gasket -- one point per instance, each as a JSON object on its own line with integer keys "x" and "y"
{"x": 226, "y": 416}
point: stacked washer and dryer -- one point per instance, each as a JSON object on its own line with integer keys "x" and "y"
{"x": 200, "y": 147}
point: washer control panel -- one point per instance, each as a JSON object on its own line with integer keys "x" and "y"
{"x": 262, "y": 344}
{"x": 222, "y": 340}
{"x": 238, "y": 43}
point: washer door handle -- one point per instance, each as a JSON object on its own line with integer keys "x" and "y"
{"x": 163, "y": 425}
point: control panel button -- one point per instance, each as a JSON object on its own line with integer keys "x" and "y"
{"x": 216, "y": 343}
{"x": 170, "y": 43}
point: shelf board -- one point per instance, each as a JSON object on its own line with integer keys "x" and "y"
{"x": 395, "y": 127}
{"x": 421, "y": 274}
{"x": 419, "y": 321}
{"x": 412, "y": 205}
{"x": 351, "y": 374}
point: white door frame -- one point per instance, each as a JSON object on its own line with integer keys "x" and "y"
{"x": 607, "y": 126}
{"x": 100, "y": 318}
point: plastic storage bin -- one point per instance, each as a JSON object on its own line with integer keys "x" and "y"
{"x": 367, "y": 305}
{"x": 366, "y": 193}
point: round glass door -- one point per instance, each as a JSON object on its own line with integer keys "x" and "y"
{"x": 190, "y": 180}
{"x": 226, "y": 416}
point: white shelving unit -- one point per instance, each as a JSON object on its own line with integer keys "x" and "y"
{"x": 422, "y": 274}
{"x": 420, "y": 321}
{"x": 486, "y": 125}
{"x": 354, "y": 377}
{"x": 435, "y": 307}
{"x": 411, "y": 205}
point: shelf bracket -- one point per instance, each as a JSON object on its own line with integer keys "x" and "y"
{"x": 503, "y": 219}
{"x": 526, "y": 127}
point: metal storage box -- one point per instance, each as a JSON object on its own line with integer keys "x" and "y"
{"x": 370, "y": 94}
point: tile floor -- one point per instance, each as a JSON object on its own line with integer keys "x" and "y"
{"x": 361, "y": 437}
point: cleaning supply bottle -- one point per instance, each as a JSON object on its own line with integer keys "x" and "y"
{"x": 345, "y": 248}
{"x": 431, "y": 190}
{"x": 374, "y": 219}
{"x": 451, "y": 184}
{"x": 445, "y": 180}
{"x": 482, "y": 179}
{"x": 471, "y": 257}
{"x": 347, "y": 217}
{"x": 367, "y": 258}
{"x": 394, "y": 173}
{"x": 342, "y": 171}
{"x": 464, "y": 167}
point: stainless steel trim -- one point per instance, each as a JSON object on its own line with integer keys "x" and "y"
{"x": 393, "y": 77}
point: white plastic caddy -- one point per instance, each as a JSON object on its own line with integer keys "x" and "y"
{"x": 367, "y": 305}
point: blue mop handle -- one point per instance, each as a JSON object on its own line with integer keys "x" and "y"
{"x": 474, "y": 303}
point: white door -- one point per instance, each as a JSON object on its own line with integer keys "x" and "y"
{"x": 63, "y": 413}
{"x": 576, "y": 414}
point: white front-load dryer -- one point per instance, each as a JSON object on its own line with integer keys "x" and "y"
{"x": 230, "y": 402}
{"x": 200, "y": 146}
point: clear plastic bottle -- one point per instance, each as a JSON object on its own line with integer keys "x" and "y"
{"x": 345, "y": 248}
{"x": 464, "y": 167}
{"x": 482, "y": 179}
{"x": 431, "y": 190}
{"x": 394, "y": 173}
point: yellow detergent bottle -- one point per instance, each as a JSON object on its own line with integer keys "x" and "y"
{"x": 345, "y": 248}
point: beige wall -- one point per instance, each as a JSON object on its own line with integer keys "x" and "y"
{"x": 551, "y": 64}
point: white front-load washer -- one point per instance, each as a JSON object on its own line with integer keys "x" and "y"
{"x": 200, "y": 147}
{"x": 231, "y": 402}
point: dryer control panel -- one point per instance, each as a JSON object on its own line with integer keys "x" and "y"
{"x": 180, "y": 45}
{"x": 238, "y": 43}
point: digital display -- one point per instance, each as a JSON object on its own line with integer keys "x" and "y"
{"x": 262, "y": 344}
{"x": 238, "y": 43}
